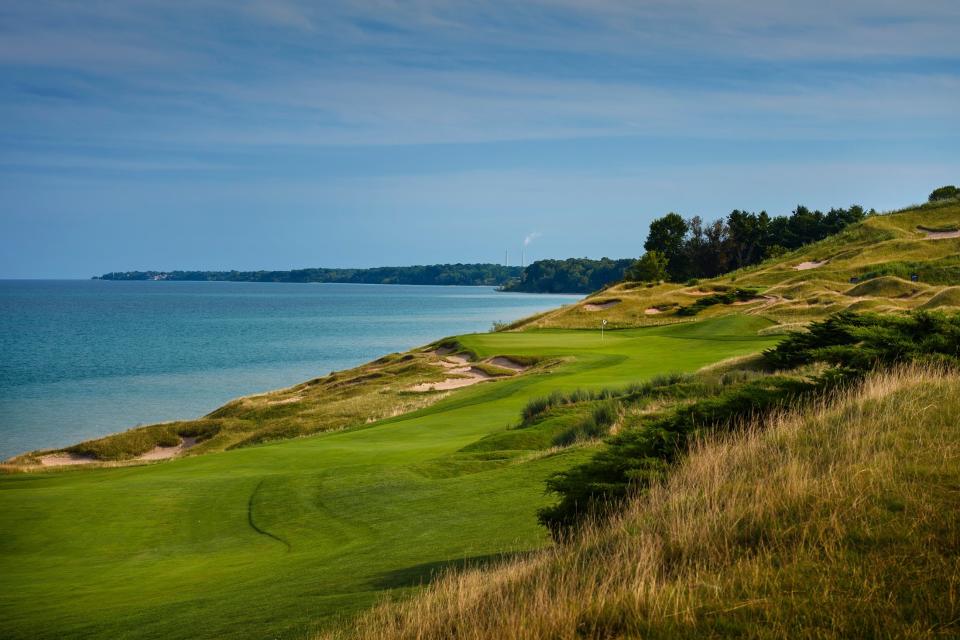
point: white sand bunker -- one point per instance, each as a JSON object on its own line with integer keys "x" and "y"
{"x": 64, "y": 459}
{"x": 506, "y": 363}
{"x": 164, "y": 453}
{"x": 940, "y": 235}
{"x": 810, "y": 264}
{"x": 598, "y": 306}
{"x": 464, "y": 374}
{"x": 157, "y": 453}
{"x": 652, "y": 311}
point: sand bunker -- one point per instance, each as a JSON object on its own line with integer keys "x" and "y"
{"x": 466, "y": 377}
{"x": 601, "y": 305}
{"x": 157, "y": 453}
{"x": 811, "y": 264}
{"x": 165, "y": 453}
{"x": 63, "y": 459}
{"x": 652, "y": 311}
{"x": 507, "y": 363}
{"x": 465, "y": 374}
{"x": 941, "y": 235}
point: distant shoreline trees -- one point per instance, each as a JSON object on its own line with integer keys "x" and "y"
{"x": 485, "y": 274}
{"x": 573, "y": 275}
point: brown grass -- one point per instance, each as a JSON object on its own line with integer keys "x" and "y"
{"x": 841, "y": 521}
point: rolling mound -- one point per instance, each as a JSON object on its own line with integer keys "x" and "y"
{"x": 885, "y": 287}
{"x": 949, "y": 297}
{"x": 882, "y": 252}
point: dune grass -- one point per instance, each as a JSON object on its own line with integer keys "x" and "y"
{"x": 840, "y": 521}
{"x": 277, "y": 540}
{"x": 889, "y": 248}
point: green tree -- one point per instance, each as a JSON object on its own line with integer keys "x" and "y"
{"x": 944, "y": 193}
{"x": 652, "y": 267}
{"x": 667, "y": 236}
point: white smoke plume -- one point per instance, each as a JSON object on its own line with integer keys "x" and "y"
{"x": 531, "y": 237}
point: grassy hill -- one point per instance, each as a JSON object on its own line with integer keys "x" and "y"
{"x": 840, "y": 521}
{"x": 312, "y": 503}
{"x": 882, "y": 253}
{"x": 271, "y": 540}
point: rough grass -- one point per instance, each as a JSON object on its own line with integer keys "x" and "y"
{"x": 882, "y": 246}
{"x": 886, "y": 287}
{"x": 949, "y": 297}
{"x": 842, "y": 521}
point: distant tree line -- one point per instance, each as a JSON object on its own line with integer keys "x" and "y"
{"x": 436, "y": 274}
{"x": 679, "y": 249}
{"x": 574, "y": 275}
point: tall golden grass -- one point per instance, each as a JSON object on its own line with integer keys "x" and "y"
{"x": 841, "y": 520}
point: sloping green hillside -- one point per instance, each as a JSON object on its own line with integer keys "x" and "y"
{"x": 840, "y": 521}
{"x": 272, "y": 540}
{"x": 882, "y": 253}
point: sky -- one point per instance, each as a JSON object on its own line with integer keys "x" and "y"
{"x": 232, "y": 134}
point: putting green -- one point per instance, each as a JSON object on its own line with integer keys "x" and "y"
{"x": 271, "y": 541}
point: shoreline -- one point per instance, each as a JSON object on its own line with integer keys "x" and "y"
{"x": 15, "y": 461}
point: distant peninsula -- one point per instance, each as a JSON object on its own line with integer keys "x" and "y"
{"x": 574, "y": 275}
{"x": 491, "y": 275}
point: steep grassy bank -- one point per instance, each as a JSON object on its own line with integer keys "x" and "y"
{"x": 842, "y": 520}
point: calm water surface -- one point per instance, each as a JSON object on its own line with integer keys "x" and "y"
{"x": 79, "y": 359}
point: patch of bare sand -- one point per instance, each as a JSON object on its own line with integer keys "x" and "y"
{"x": 507, "y": 363}
{"x": 465, "y": 377}
{"x": 810, "y": 264}
{"x": 64, "y": 459}
{"x": 165, "y": 453}
{"x": 740, "y": 303}
{"x": 652, "y": 311}
{"x": 598, "y": 306}
{"x": 941, "y": 235}
{"x": 157, "y": 453}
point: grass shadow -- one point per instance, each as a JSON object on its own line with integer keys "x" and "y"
{"x": 425, "y": 573}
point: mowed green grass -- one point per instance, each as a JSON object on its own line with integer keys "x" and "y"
{"x": 271, "y": 541}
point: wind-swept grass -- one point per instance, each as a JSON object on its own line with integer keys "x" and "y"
{"x": 840, "y": 521}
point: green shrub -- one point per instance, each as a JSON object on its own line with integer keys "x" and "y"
{"x": 721, "y": 297}
{"x": 636, "y": 457}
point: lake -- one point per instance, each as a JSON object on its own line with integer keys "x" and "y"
{"x": 83, "y": 358}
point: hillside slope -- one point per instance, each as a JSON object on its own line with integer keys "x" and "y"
{"x": 839, "y": 521}
{"x": 273, "y": 540}
{"x": 882, "y": 253}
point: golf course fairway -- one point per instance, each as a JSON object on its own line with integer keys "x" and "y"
{"x": 275, "y": 540}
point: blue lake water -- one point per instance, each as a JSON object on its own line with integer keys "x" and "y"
{"x": 80, "y": 359}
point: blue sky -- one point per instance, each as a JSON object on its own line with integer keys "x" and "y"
{"x": 247, "y": 135}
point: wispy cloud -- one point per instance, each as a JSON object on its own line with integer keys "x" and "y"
{"x": 373, "y": 106}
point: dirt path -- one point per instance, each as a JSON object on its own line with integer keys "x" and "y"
{"x": 811, "y": 264}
